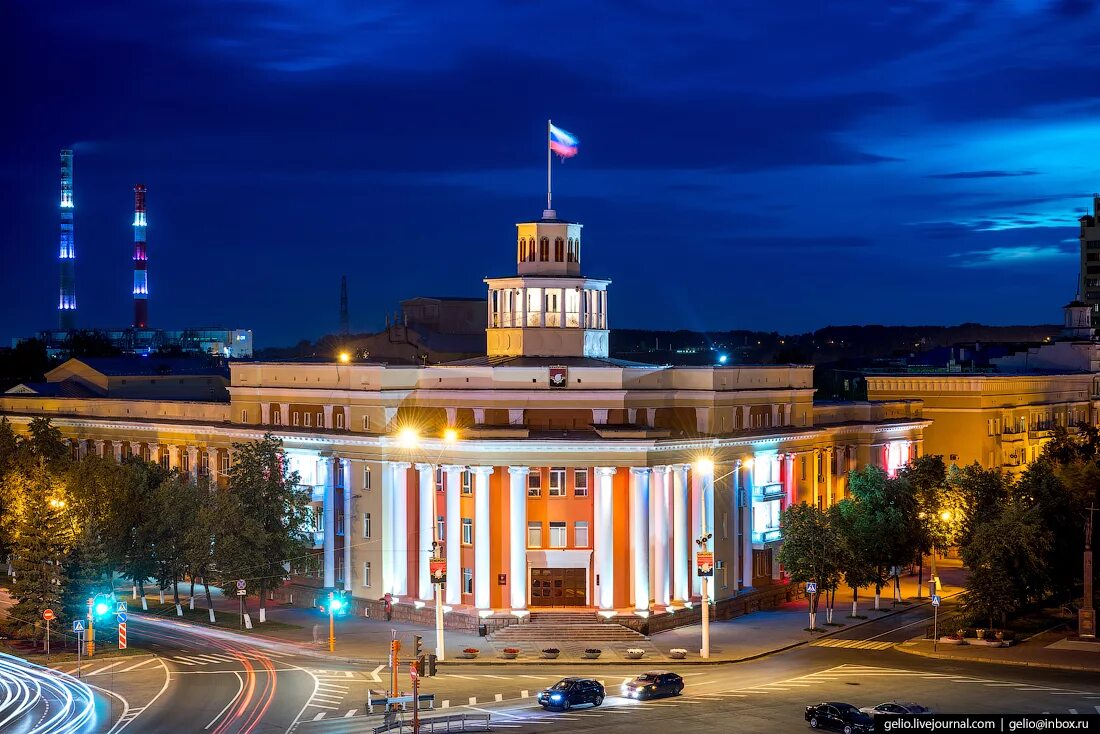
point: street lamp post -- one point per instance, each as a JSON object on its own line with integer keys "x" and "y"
{"x": 704, "y": 651}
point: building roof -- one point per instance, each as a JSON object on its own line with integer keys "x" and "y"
{"x": 64, "y": 389}
{"x": 153, "y": 365}
{"x": 521, "y": 361}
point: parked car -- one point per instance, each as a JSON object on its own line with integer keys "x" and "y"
{"x": 843, "y": 717}
{"x": 893, "y": 708}
{"x": 652, "y": 684}
{"x": 569, "y": 692}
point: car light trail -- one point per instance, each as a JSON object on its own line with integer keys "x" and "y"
{"x": 67, "y": 704}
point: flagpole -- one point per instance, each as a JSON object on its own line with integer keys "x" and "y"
{"x": 548, "y": 168}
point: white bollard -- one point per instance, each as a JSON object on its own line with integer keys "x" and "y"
{"x": 133, "y": 591}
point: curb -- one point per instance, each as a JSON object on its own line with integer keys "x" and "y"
{"x": 991, "y": 661}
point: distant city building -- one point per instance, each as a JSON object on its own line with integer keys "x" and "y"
{"x": 134, "y": 378}
{"x": 428, "y": 330}
{"x": 1089, "y": 287}
{"x": 215, "y": 341}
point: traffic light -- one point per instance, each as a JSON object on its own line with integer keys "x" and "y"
{"x": 101, "y": 606}
{"x": 395, "y": 646}
{"x": 418, "y": 643}
{"x": 340, "y": 603}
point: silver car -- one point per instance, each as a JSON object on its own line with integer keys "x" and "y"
{"x": 893, "y": 708}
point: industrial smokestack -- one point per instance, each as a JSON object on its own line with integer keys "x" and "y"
{"x": 66, "y": 304}
{"x": 141, "y": 261}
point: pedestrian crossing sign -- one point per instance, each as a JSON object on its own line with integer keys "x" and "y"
{"x": 120, "y": 607}
{"x": 935, "y": 600}
{"x": 78, "y": 625}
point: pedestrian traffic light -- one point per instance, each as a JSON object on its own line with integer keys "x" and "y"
{"x": 418, "y": 642}
{"x": 101, "y": 606}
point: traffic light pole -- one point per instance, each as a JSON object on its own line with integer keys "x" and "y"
{"x": 416, "y": 698}
{"x": 331, "y": 628}
{"x": 91, "y": 628}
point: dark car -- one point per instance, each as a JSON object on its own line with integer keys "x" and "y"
{"x": 569, "y": 692}
{"x": 895, "y": 708}
{"x": 652, "y": 684}
{"x": 840, "y": 717}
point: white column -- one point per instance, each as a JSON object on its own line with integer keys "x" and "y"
{"x": 154, "y": 453}
{"x": 639, "y": 530}
{"x": 481, "y": 536}
{"x": 327, "y": 412}
{"x": 746, "y": 521}
{"x": 788, "y": 478}
{"x": 117, "y": 446}
{"x": 827, "y": 469}
{"x": 453, "y": 534}
{"x": 387, "y": 529}
{"x": 706, "y": 496}
{"x": 193, "y": 461}
{"x": 98, "y": 447}
{"x": 517, "y": 536}
{"x": 346, "y": 470}
{"x": 265, "y": 413}
{"x": 659, "y": 534}
{"x": 695, "y": 509}
{"x": 212, "y": 464}
{"x": 604, "y": 538}
{"x": 681, "y": 531}
{"x": 400, "y": 527}
{"x": 284, "y": 414}
{"x": 173, "y": 457}
{"x": 424, "y": 545}
{"x": 325, "y": 474}
{"x": 735, "y": 511}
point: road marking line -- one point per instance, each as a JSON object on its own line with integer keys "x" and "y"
{"x": 498, "y": 697}
{"x": 375, "y": 678}
{"x": 182, "y": 661}
{"x": 137, "y": 665}
{"x": 463, "y": 677}
{"x": 445, "y": 704}
{"x": 316, "y": 706}
{"x": 107, "y": 667}
{"x": 319, "y": 716}
{"x": 240, "y": 689}
{"x": 542, "y": 677}
{"x": 350, "y": 713}
{"x": 523, "y": 694}
{"x": 498, "y": 677}
{"x": 703, "y": 682}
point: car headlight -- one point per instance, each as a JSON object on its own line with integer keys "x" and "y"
{"x": 555, "y": 697}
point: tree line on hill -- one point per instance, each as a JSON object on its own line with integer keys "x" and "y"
{"x": 69, "y": 525}
{"x": 1021, "y": 538}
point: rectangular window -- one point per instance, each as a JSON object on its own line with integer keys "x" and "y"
{"x": 467, "y": 484}
{"x": 534, "y": 535}
{"x": 534, "y": 484}
{"x": 467, "y": 581}
{"x": 296, "y": 417}
{"x": 366, "y": 525}
{"x": 318, "y": 519}
{"x": 244, "y": 416}
{"x": 366, "y": 573}
{"x": 580, "y": 483}
{"x": 440, "y": 528}
{"x": 204, "y": 465}
{"x": 276, "y": 418}
{"x": 340, "y": 418}
{"x": 557, "y": 535}
{"x": 308, "y": 420}
{"x": 339, "y": 523}
{"x": 366, "y": 478}
{"x": 467, "y": 530}
{"x": 366, "y": 423}
{"x": 580, "y": 534}
{"x": 439, "y": 479}
{"x": 557, "y": 481}
{"x": 185, "y": 461}
{"x": 164, "y": 459}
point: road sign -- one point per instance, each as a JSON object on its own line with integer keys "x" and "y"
{"x": 241, "y": 584}
{"x": 413, "y": 674}
{"x": 48, "y": 615}
{"x": 120, "y": 618}
{"x": 78, "y": 625}
{"x": 241, "y": 592}
{"x": 811, "y": 587}
{"x": 122, "y": 636}
{"x": 936, "y": 600}
{"x": 704, "y": 563}
{"x": 120, "y": 608}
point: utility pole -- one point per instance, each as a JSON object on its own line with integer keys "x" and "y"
{"x": 1086, "y": 615}
{"x": 414, "y": 672}
{"x": 705, "y": 563}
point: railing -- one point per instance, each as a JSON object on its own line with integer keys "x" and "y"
{"x": 402, "y": 701}
{"x": 767, "y": 536}
{"x": 438, "y": 723}
{"x": 770, "y": 490}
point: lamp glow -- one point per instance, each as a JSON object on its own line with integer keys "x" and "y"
{"x": 408, "y": 438}
{"x": 704, "y": 466}
{"x": 345, "y": 357}
{"x": 450, "y": 435}
{"x": 945, "y": 515}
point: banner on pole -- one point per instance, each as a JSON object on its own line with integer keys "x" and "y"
{"x": 704, "y": 563}
{"x": 437, "y": 567}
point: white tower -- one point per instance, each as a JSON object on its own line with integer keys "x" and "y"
{"x": 548, "y": 309}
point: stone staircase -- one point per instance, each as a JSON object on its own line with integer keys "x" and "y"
{"x": 561, "y": 628}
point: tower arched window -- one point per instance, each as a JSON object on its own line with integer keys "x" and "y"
{"x": 559, "y": 250}
{"x": 544, "y": 249}
{"x": 569, "y": 254}
{"x": 521, "y": 250}
{"x": 531, "y": 249}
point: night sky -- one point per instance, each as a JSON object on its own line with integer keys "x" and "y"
{"x": 777, "y": 166}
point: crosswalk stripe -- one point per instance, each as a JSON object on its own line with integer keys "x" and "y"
{"x": 137, "y": 665}
{"x": 107, "y": 667}
{"x": 183, "y": 661}
{"x": 350, "y": 713}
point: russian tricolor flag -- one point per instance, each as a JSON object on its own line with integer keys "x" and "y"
{"x": 562, "y": 142}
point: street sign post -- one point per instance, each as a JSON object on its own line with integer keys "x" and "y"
{"x": 935, "y": 622}
{"x": 48, "y": 615}
{"x": 415, "y": 675}
{"x": 811, "y": 590}
{"x": 78, "y": 630}
{"x": 704, "y": 563}
{"x": 122, "y": 636}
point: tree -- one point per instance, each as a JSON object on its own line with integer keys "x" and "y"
{"x": 133, "y": 515}
{"x": 174, "y": 504}
{"x": 199, "y": 537}
{"x": 935, "y": 506}
{"x": 979, "y": 493}
{"x": 1005, "y": 555}
{"x": 265, "y": 522}
{"x": 855, "y": 564}
{"x": 810, "y": 550}
{"x": 885, "y": 523}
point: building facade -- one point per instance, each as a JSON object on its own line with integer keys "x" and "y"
{"x": 547, "y": 474}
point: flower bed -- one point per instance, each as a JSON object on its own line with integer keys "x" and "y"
{"x": 677, "y": 653}
{"x": 592, "y": 653}
{"x": 510, "y": 653}
{"x": 635, "y": 653}
{"x": 550, "y": 653}
{"x": 952, "y": 640}
{"x": 470, "y": 653}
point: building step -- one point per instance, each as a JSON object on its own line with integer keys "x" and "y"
{"x": 576, "y": 631}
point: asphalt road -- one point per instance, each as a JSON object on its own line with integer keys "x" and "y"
{"x": 204, "y": 680}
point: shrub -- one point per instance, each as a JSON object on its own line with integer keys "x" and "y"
{"x": 551, "y": 650}
{"x": 592, "y": 650}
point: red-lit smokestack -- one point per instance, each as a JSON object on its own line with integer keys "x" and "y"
{"x": 141, "y": 261}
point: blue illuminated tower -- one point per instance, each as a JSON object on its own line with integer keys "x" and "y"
{"x": 66, "y": 305}
{"x": 141, "y": 261}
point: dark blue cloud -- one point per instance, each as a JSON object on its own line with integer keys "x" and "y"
{"x": 748, "y": 165}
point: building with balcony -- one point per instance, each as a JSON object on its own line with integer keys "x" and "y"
{"x": 547, "y": 473}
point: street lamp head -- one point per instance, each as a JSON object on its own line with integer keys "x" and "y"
{"x": 946, "y": 515}
{"x": 408, "y": 438}
{"x": 704, "y": 466}
{"x": 450, "y": 435}
{"x": 345, "y": 357}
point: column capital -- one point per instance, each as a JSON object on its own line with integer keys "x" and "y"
{"x": 453, "y": 467}
{"x": 484, "y": 470}
{"x": 424, "y": 467}
{"x": 606, "y": 471}
{"x": 519, "y": 470}
{"x": 679, "y": 467}
{"x": 399, "y": 465}
{"x": 660, "y": 470}
{"x": 641, "y": 471}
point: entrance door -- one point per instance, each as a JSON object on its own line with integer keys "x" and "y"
{"x": 558, "y": 587}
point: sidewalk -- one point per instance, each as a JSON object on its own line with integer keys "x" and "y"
{"x": 743, "y": 638}
{"x": 1045, "y": 650}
